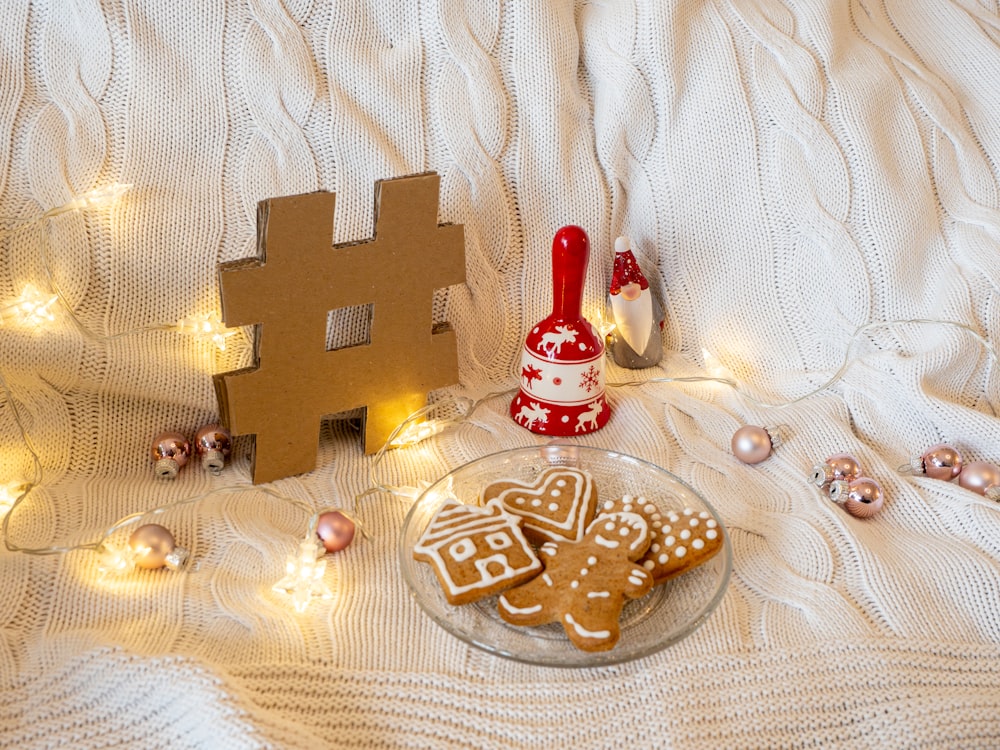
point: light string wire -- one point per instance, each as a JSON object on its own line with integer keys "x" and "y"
{"x": 94, "y": 199}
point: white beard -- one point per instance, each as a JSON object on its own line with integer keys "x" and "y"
{"x": 634, "y": 319}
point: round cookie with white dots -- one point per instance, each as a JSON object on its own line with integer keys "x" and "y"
{"x": 681, "y": 540}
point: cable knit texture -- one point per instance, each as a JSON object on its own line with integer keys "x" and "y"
{"x": 787, "y": 171}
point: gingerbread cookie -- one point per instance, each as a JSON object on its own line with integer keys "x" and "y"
{"x": 585, "y": 584}
{"x": 681, "y": 540}
{"x": 557, "y": 506}
{"x": 476, "y": 552}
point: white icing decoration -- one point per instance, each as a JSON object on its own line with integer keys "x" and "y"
{"x": 574, "y": 584}
{"x": 669, "y": 541}
{"x": 681, "y": 551}
{"x": 636, "y": 581}
{"x": 711, "y": 534}
{"x": 499, "y": 540}
{"x": 609, "y": 543}
{"x": 623, "y": 531}
{"x": 519, "y": 610}
{"x": 598, "y": 594}
{"x": 584, "y": 571}
{"x": 609, "y": 526}
{"x": 703, "y": 514}
{"x": 685, "y": 534}
{"x": 663, "y": 558}
{"x": 651, "y": 509}
{"x": 649, "y": 565}
{"x": 536, "y": 503}
{"x": 560, "y": 483}
{"x": 694, "y": 521}
{"x": 520, "y": 501}
{"x": 572, "y": 522}
{"x": 698, "y": 543}
{"x": 555, "y": 493}
{"x": 711, "y": 524}
{"x": 655, "y": 548}
{"x": 667, "y": 529}
{"x": 547, "y": 579}
{"x": 591, "y": 560}
{"x": 553, "y": 507}
{"x": 462, "y": 550}
{"x": 582, "y": 631}
{"x": 688, "y": 511}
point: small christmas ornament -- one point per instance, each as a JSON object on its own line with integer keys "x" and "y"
{"x": 171, "y": 450}
{"x": 838, "y": 466}
{"x": 861, "y": 497}
{"x": 335, "y": 530}
{"x": 981, "y": 477}
{"x": 153, "y": 547}
{"x": 562, "y": 364}
{"x": 635, "y": 341}
{"x": 213, "y": 443}
{"x": 752, "y": 444}
{"x": 938, "y": 462}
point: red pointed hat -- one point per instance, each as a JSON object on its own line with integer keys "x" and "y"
{"x": 626, "y": 270}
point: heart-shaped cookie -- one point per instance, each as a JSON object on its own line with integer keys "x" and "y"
{"x": 557, "y": 506}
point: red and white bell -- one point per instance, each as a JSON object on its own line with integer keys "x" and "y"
{"x": 562, "y": 364}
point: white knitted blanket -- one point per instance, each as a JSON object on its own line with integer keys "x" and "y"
{"x": 788, "y": 172}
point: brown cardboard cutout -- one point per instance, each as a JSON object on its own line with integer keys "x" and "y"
{"x": 289, "y": 291}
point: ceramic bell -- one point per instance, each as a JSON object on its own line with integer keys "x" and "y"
{"x": 562, "y": 364}
{"x": 636, "y": 340}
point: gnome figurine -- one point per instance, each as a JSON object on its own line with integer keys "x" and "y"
{"x": 635, "y": 342}
{"x": 562, "y": 363}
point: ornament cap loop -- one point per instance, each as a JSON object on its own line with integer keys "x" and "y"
{"x": 821, "y": 475}
{"x": 838, "y": 490}
{"x": 177, "y": 559}
{"x": 166, "y": 468}
{"x": 213, "y": 461}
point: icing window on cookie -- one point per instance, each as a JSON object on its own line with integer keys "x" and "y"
{"x": 499, "y": 540}
{"x": 461, "y": 550}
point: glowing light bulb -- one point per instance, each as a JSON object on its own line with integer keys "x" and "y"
{"x": 715, "y": 368}
{"x": 91, "y": 199}
{"x": 207, "y": 328}
{"x": 603, "y": 324}
{"x": 418, "y": 431}
{"x": 8, "y": 496}
{"x": 304, "y": 575}
{"x": 32, "y": 309}
{"x": 116, "y": 561}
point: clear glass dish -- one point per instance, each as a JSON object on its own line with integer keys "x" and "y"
{"x": 670, "y": 612}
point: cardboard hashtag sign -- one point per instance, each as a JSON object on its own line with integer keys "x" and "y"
{"x": 288, "y": 293}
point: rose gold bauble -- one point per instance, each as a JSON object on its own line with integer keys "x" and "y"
{"x": 840, "y": 466}
{"x": 170, "y": 452}
{"x": 981, "y": 477}
{"x": 941, "y": 462}
{"x": 751, "y": 444}
{"x": 213, "y": 443}
{"x": 151, "y": 544}
{"x": 335, "y": 530}
{"x": 861, "y": 497}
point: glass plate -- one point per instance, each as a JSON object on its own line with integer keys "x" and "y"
{"x": 670, "y": 612}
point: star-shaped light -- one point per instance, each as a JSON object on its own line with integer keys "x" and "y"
{"x": 116, "y": 561}
{"x": 33, "y": 308}
{"x": 304, "y": 575}
{"x": 207, "y": 328}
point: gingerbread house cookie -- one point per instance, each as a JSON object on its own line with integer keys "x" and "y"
{"x": 680, "y": 540}
{"x": 557, "y": 506}
{"x": 476, "y": 551}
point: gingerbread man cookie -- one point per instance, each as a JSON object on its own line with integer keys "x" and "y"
{"x": 585, "y": 584}
{"x": 681, "y": 540}
{"x": 557, "y": 506}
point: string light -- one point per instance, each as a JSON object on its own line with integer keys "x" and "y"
{"x": 208, "y": 328}
{"x": 716, "y": 370}
{"x": 304, "y": 571}
{"x": 95, "y": 198}
{"x": 31, "y": 310}
{"x": 8, "y": 496}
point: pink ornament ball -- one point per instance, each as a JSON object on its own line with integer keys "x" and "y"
{"x": 838, "y": 467}
{"x": 751, "y": 444}
{"x": 941, "y": 462}
{"x": 151, "y": 544}
{"x": 214, "y": 444}
{"x": 335, "y": 530}
{"x": 982, "y": 478}
{"x": 861, "y": 497}
{"x": 170, "y": 452}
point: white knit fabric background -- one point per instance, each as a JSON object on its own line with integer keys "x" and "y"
{"x": 788, "y": 171}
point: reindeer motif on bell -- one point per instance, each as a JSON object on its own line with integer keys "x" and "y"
{"x": 562, "y": 363}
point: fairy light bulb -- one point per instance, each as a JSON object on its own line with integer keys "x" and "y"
{"x": 304, "y": 572}
{"x": 208, "y": 328}
{"x": 603, "y": 323}
{"x": 91, "y": 199}
{"x": 416, "y": 432}
{"x": 715, "y": 367}
{"x": 115, "y": 560}
{"x": 8, "y": 496}
{"x": 32, "y": 309}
